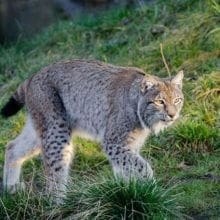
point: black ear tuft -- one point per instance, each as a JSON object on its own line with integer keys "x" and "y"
{"x": 11, "y": 108}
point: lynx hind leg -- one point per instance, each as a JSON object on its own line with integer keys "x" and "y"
{"x": 50, "y": 118}
{"x": 23, "y": 147}
{"x": 58, "y": 152}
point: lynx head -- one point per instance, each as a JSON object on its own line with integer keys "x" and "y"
{"x": 160, "y": 102}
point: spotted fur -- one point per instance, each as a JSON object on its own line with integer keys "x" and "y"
{"x": 118, "y": 106}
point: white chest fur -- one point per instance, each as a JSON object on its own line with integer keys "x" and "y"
{"x": 136, "y": 139}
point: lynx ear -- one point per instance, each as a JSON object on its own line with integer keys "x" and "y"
{"x": 178, "y": 79}
{"x": 147, "y": 83}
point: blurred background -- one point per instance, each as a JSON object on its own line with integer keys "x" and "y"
{"x": 22, "y": 18}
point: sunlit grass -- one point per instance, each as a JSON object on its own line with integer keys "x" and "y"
{"x": 208, "y": 87}
{"x": 97, "y": 198}
{"x": 194, "y": 136}
{"x": 109, "y": 198}
{"x": 24, "y": 205}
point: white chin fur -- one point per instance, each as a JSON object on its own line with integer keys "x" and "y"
{"x": 160, "y": 126}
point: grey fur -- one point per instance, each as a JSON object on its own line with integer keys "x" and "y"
{"x": 115, "y": 105}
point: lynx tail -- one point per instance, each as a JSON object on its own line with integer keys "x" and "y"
{"x": 16, "y": 102}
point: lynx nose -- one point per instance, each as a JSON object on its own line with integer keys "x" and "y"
{"x": 171, "y": 116}
{"x": 171, "y": 112}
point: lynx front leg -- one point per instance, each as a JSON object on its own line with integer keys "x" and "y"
{"x": 128, "y": 164}
{"x": 125, "y": 162}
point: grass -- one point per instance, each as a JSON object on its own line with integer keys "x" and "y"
{"x": 108, "y": 198}
{"x": 185, "y": 156}
{"x": 24, "y": 205}
{"x": 97, "y": 198}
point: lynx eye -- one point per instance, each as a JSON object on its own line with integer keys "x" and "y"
{"x": 159, "y": 102}
{"x": 177, "y": 101}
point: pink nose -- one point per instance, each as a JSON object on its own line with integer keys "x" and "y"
{"x": 171, "y": 112}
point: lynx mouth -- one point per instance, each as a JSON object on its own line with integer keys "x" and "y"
{"x": 167, "y": 120}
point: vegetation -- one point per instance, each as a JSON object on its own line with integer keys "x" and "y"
{"x": 185, "y": 156}
{"x": 109, "y": 198}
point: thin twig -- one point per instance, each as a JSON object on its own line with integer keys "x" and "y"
{"x": 164, "y": 60}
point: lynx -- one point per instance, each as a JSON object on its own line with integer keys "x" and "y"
{"x": 118, "y": 106}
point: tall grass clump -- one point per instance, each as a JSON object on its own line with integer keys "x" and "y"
{"x": 186, "y": 138}
{"x": 24, "y": 205}
{"x": 110, "y": 198}
{"x": 208, "y": 86}
{"x": 195, "y": 137}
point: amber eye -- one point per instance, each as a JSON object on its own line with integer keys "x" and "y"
{"x": 159, "y": 102}
{"x": 177, "y": 101}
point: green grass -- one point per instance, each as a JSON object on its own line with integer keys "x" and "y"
{"x": 108, "y": 198}
{"x": 24, "y": 205}
{"x": 102, "y": 197}
{"x": 185, "y": 156}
